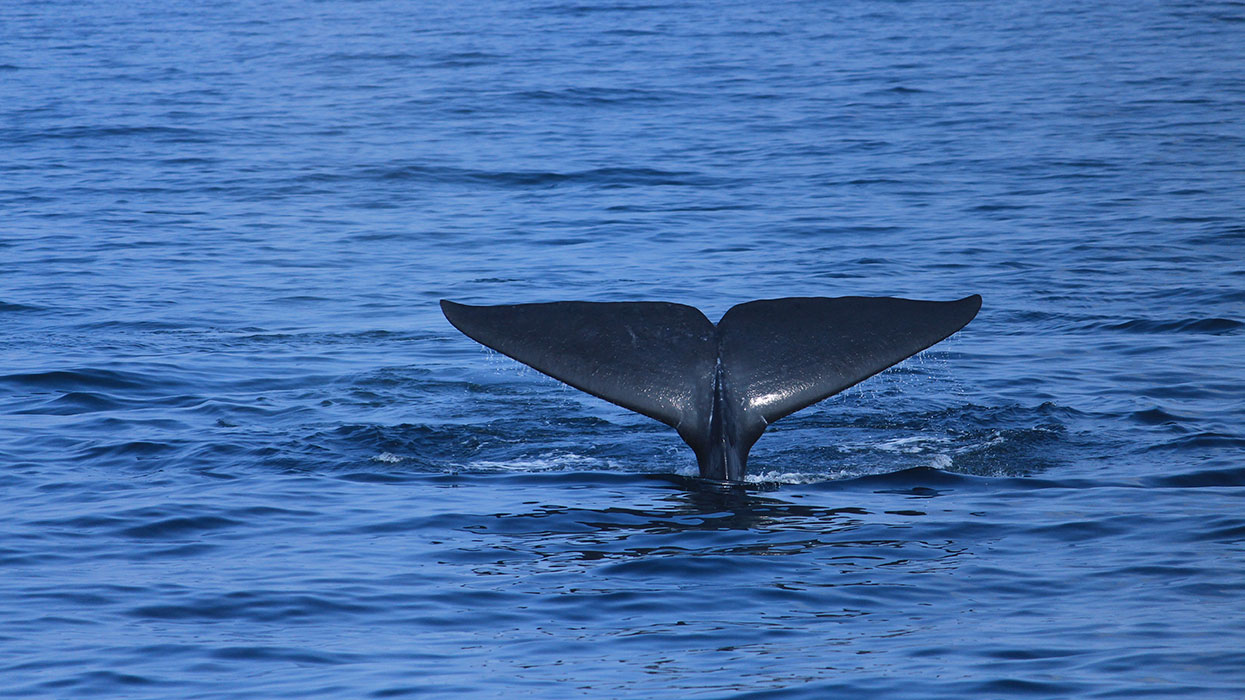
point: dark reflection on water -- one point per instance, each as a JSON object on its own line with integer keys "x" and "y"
{"x": 700, "y": 528}
{"x": 701, "y": 509}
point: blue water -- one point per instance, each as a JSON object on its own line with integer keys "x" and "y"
{"x": 243, "y": 455}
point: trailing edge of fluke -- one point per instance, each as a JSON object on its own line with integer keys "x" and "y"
{"x": 719, "y": 386}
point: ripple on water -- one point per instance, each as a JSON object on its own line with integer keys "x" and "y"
{"x": 244, "y": 455}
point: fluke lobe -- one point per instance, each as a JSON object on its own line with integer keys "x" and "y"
{"x": 719, "y": 386}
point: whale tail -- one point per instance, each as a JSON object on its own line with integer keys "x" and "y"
{"x": 718, "y": 386}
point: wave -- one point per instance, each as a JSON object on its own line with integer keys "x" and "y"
{"x": 77, "y": 380}
{"x": 155, "y": 133}
{"x": 1211, "y": 326}
{"x": 8, "y": 307}
{"x": 603, "y": 177}
{"x": 1202, "y": 439}
{"x": 1232, "y": 476}
{"x": 1157, "y": 416}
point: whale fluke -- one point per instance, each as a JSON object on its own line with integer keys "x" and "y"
{"x": 718, "y": 386}
{"x": 655, "y": 358}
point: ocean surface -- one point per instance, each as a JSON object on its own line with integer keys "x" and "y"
{"x": 242, "y": 454}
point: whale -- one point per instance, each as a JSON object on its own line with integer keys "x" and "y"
{"x": 718, "y": 385}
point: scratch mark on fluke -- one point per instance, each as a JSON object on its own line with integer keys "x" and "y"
{"x": 718, "y": 386}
